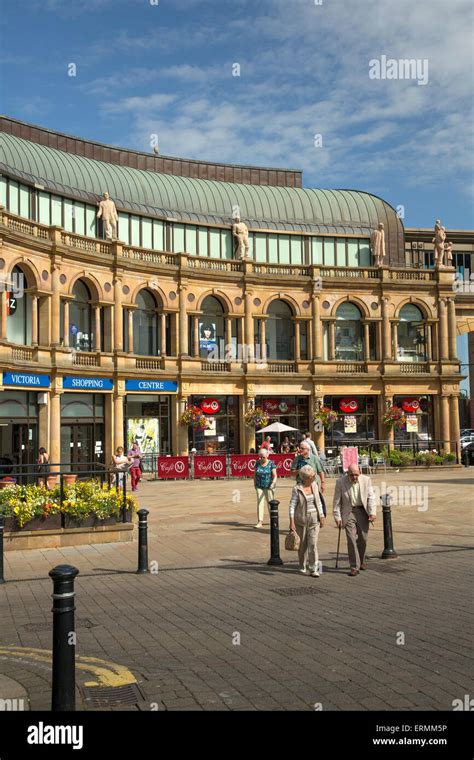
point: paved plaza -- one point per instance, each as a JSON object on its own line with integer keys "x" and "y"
{"x": 213, "y": 627}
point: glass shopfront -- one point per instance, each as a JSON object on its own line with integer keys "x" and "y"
{"x": 18, "y": 430}
{"x": 419, "y": 415}
{"x": 223, "y": 434}
{"x": 82, "y": 429}
{"x": 356, "y": 420}
{"x": 147, "y": 421}
{"x": 289, "y": 410}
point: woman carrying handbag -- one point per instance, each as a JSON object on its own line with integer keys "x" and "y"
{"x": 306, "y": 518}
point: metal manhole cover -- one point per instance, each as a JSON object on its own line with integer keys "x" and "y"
{"x": 80, "y": 623}
{"x": 302, "y": 591}
{"x": 105, "y": 696}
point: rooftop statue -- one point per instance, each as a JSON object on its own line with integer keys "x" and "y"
{"x": 108, "y": 213}
{"x": 377, "y": 245}
{"x": 448, "y": 252}
{"x": 241, "y": 235}
{"x": 438, "y": 241}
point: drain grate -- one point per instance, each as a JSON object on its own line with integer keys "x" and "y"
{"x": 301, "y": 591}
{"x": 104, "y": 696}
{"x": 80, "y": 623}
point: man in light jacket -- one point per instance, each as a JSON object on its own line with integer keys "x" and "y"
{"x": 354, "y": 508}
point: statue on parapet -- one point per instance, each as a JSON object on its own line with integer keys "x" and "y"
{"x": 108, "y": 213}
{"x": 377, "y": 245}
{"x": 438, "y": 242}
{"x": 448, "y": 254}
{"x": 240, "y": 232}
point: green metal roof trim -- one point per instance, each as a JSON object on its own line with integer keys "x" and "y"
{"x": 197, "y": 196}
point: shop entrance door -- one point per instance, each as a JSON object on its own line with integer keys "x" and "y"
{"x": 24, "y": 450}
{"x": 82, "y": 445}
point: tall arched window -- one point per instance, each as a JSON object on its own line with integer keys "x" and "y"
{"x": 411, "y": 335}
{"x": 280, "y": 332}
{"x": 80, "y": 318}
{"x": 211, "y": 326}
{"x": 18, "y": 309}
{"x": 349, "y": 333}
{"x": 146, "y": 327}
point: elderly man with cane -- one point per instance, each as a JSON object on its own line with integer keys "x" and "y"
{"x": 354, "y": 507}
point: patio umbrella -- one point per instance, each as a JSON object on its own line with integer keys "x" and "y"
{"x": 276, "y": 427}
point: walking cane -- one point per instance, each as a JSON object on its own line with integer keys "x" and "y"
{"x": 338, "y": 544}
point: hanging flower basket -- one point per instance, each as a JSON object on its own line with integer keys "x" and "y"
{"x": 325, "y": 415}
{"x": 256, "y": 417}
{"x": 394, "y": 417}
{"x": 194, "y": 417}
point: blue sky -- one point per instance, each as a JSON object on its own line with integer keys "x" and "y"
{"x": 167, "y": 69}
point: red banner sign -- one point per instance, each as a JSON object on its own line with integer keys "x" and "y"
{"x": 210, "y": 406}
{"x": 173, "y": 467}
{"x": 242, "y": 465}
{"x": 283, "y": 463}
{"x": 348, "y": 405}
{"x": 278, "y": 406}
{"x": 210, "y": 466}
{"x": 410, "y": 405}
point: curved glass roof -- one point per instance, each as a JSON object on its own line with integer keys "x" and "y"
{"x": 274, "y": 207}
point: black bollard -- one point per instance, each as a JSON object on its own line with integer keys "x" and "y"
{"x": 64, "y": 638}
{"x": 143, "y": 541}
{"x": 388, "y": 550}
{"x": 275, "y": 558}
{"x": 2, "y": 528}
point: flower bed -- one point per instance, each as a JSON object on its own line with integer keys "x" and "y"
{"x": 37, "y": 508}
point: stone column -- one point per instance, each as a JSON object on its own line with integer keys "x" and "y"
{"x": 443, "y": 331}
{"x": 55, "y": 428}
{"x": 66, "y": 323}
{"x": 445, "y": 427}
{"x": 378, "y": 336}
{"x": 118, "y": 315}
{"x": 98, "y": 342}
{"x": 297, "y": 340}
{"x": 366, "y": 341}
{"x": 131, "y": 347}
{"x": 435, "y": 341}
{"x": 386, "y": 337}
{"x": 389, "y": 432}
{"x": 55, "y": 307}
{"x": 429, "y": 349}
{"x": 228, "y": 336}
{"x": 182, "y": 432}
{"x": 34, "y": 320}
{"x": 163, "y": 334}
{"x": 452, "y": 328}
{"x": 395, "y": 340}
{"x": 263, "y": 339}
{"x": 4, "y": 314}
{"x": 317, "y": 330}
{"x": 455, "y": 426}
{"x": 196, "y": 335}
{"x": 332, "y": 340}
{"x": 249, "y": 326}
{"x": 118, "y": 421}
{"x": 183, "y": 322}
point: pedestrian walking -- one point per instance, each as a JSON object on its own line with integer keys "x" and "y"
{"x": 122, "y": 464}
{"x": 306, "y": 519}
{"x": 306, "y": 457}
{"x": 312, "y": 445}
{"x": 135, "y": 454}
{"x": 354, "y": 508}
{"x": 43, "y": 467}
{"x": 265, "y": 477}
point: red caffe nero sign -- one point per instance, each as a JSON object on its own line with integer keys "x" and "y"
{"x": 410, "y": 405}
{"x": 348, "y": 405}
{"x": 278, "y": 406}
{"x": 173, "y": 467}
{"x": 210, "y": 406}
{"x": 210, "y": 466}
{"x": 242, "y": 465}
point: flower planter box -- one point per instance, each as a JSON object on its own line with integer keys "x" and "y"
{"x": 89, "y": 522}
{"x": 52, "y": 522}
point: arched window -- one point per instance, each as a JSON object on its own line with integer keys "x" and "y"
{"x": 211, "y": 326}
{"x": 349, "y": 333}
{"x": 18, "y": 309}
{"x": 146, "y": 327}
{"x": 411, "y": 335}
{"x": 80, "y": 318}
{"x": 280, "y": 332}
